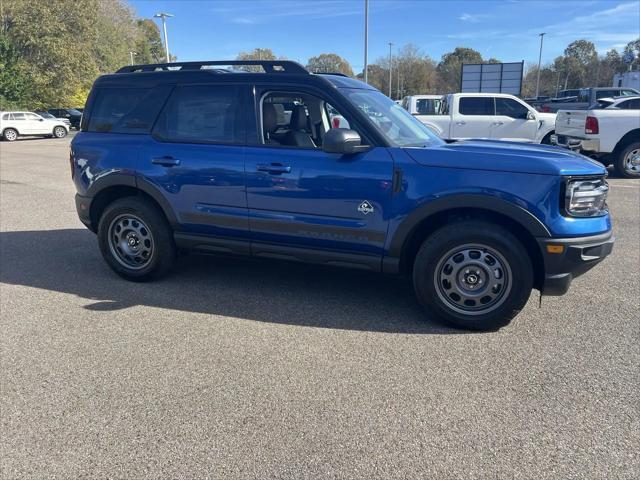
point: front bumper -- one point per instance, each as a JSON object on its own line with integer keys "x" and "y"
{"x": 576, "y": 143}
{"x": 578, "y": 255}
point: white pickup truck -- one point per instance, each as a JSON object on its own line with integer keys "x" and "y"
{"x": 498, "y": 116}
{"x": 609, "y": 133}
{"x": 422, "y": 104}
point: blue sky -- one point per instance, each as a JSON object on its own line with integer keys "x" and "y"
{"x": 298, "y": 29}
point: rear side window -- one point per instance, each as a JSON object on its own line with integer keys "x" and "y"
{"x": 630, "y": 104}
{"x": 476, "y": 106}
{"x": 202, "y": 114}
{"x": 18, "y": 116}
{"x": 510, "y": 108}
{"x": 126, "y": 110}
{"x": 6, "y": 116}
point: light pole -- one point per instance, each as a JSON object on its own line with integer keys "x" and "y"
{"x": 539, "y": 63}
{"x": 366, "y": 39}
{"x": 390, "y": 45}
{"x": 164, "y": 17}
{"x": 132, "y": 55}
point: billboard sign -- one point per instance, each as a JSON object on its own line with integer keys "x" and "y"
{"x": 492, "y": 78}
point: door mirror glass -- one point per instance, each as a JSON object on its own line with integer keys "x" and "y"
{"x": 342, "y": 141}
{"x": 531, "y": 115}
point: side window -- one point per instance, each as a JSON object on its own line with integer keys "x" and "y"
{"x": 18, "y": 116}
{"x": 126, "y": 110}
{"x": 510, "y": 108}
{"x": 203, "y": 114}
{"x": 476, "y": 106}
{"x": 583, "y": 95}
{"x": 630, "y": 104}
{"x": 605, "y": 93}
{"x": 6, "y": 116}
{"x": 31, "y": 116}
{"x": 627, "y": 93}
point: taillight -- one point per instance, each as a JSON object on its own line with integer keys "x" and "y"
{"x": 591, "y": 125}
{"x": 336, "y": 122}
{"x": 545, "y": 109}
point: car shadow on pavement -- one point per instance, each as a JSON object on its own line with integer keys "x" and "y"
{"x": 68, "y": 261}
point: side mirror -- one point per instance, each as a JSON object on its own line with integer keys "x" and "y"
{"x": 531, "y": 115}
{"x": 343, "y": 141}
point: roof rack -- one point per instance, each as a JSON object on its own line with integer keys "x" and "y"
{"x": 269, "y": 66}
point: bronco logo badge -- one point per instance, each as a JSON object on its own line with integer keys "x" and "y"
{"x": 365, "y": 207}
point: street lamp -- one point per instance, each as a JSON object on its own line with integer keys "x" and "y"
{"x": 366, "y": 39}
{"x": 132, "y": 55}
{"x": 390, "y": 45}
{"x": 539, "y": 63}
{"x": 164, "y": 17}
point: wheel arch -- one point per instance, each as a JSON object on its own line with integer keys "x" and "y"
{"x": 418, "y": 226}
{"x": 113, "y": 191}
{"x": 629, "y": 137}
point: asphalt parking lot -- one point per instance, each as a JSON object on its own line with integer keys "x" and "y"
{"x": 247, "y": 369}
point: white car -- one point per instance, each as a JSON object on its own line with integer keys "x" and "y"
{"x": 608, "y": 132}
{"x": 422, "y": 104}
{"x": 496, "y": 116}
{"x": 18, "y": 124}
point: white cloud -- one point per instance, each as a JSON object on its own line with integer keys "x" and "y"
{"x": 474, "y": 17}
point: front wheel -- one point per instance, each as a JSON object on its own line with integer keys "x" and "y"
{"x": 59, "y": 132}
{"x": 136, "y": 240}
{"x": 473, "y": 274}
{"x": 628, "y": 162}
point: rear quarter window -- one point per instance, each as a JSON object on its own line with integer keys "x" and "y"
{"x": 126, "y": 110}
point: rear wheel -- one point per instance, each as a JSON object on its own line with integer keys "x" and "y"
{"x": 547, "y": 139}
{"x": 59, "y": 132}
{"x": 136, "y": 240}
{"x": 473, "y": 274}
{"x": 10, "y": 134}
{"x": 627, "y": 164}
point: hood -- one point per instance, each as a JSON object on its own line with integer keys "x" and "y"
{"x": 507, "y": 157}
{"x": 546, "y": 117}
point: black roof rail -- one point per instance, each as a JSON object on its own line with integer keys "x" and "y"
{"x": 269, "y": 66}
{"x": 332, "y": 73}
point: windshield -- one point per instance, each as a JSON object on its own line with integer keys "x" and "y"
{"x": 45, "y": 115}
{"x": 397, "y": 125}
{"x": 73, "y": 111}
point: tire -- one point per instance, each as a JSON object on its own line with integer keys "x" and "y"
{"x": 10, "y": 134}
{"x": 136, "y": 240}
{"x": 546, "y": 140}
{"x": 627, "y": 163}
{"x": 481, "y": 263}
{"x": 59, "y": 132}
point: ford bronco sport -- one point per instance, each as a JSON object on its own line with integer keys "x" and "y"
{"x": 202, "y": 156}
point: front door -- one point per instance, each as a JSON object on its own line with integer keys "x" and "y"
{"x": 195, "y": 158}
{"x": 36, "y": 124}
{"x": 513, "y": 121}
{"x": 309, "y": 205}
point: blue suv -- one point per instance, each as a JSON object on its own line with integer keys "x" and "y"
{"x": 217, "y": 157}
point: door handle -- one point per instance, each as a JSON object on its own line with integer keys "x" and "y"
{"x": 274, "y": 168}
{"x": 461, "y": 123}
{"x": 498, "y": 123}
{"x": 166, "y": 161}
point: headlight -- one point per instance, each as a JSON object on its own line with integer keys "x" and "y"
{"x": 586, "y": 197}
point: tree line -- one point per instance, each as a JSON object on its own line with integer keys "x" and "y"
{"x": 51, "y": 51}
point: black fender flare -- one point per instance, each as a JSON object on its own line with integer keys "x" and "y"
{"x": 471, "y": 201}
{"x": 122, "y": 179}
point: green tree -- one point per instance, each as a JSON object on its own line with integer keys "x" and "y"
{"x": 148, "y": 47}
{"x": 255, "y": 54}
{"x": 450, "y": 67}
{"x": 329, "y": 63}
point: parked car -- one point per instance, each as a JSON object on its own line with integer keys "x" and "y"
{"x": 585, "y": 98}
{"x": 19, "y": 124}
{"x": 497, "y": 116}
{"x": 422, "y": 104}
{"x": 71, "y": 114}
{"x": 180, "y": 157}
{"x": 608, "y": 132}
{"x": 48, "y": 116}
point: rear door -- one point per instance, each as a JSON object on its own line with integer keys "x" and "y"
{"x": 195, "y": 158}
{"x": 474, "y": 118}
{"x": 511, "y": 121}
{"x": 36, "y": 124}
